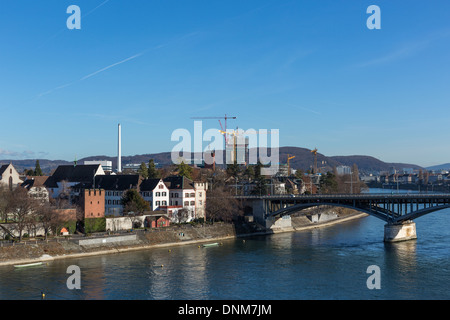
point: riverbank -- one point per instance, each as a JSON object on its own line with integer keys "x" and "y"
{"x": 424, "y": 188}
{"x": 156, "y": 238}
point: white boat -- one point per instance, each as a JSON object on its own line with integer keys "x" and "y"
{"x": 210, "y": 244}
{"x": 28, "y": 265}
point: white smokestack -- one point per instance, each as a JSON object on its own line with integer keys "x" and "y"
{"x": 119, "y": 151}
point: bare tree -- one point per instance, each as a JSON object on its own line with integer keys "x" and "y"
{"x": 221, "y": 205}
{"x": 5, "y": 203}
{"x": 22, "y": 209}
{"x": 50, "y": 218}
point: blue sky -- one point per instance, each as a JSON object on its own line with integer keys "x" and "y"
{"x": 311, "y": 69}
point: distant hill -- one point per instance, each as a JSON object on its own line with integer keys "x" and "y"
{"x": 46, "y": 165}
{"x": 303, "y": 160}
{"x": 371, "y": 164}
{"x": 445, "y": 166}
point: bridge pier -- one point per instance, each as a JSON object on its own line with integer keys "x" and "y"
{"x": 400, "y": 231}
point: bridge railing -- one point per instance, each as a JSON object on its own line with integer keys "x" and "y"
{"x": 351, "y": 196}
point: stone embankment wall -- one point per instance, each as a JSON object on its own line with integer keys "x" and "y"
{"x": 113, "y": 243}
{"x": 171, "y": 236}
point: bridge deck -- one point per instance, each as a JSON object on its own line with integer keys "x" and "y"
{"x": 392, "y": 208}
{"x": 368, "y": 196}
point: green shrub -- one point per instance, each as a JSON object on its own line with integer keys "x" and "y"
{"x": 71, "y": 226}
{"x": 94, "y": 225}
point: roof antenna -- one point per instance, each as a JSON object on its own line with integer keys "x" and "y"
{"x": 75, "y": 162}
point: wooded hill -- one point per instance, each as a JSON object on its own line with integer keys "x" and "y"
{"x": 303, "y": 160}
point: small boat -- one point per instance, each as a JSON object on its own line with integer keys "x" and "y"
{"x": 210, "y": 244}
{"x": 28, "y": 265}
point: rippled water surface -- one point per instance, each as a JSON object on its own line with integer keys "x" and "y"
{"x": 326, "y": 263}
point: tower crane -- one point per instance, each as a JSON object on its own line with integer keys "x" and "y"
{"x": 314, "y": 152}
{"x": 219, "y": 118}
{"x": 289, "y": 157}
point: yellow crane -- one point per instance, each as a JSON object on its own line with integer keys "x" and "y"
{"x": 289, "y": 157}
{"x": 314, "y": 152}
{"x": 218, "y": 118}
{"x": 234, "y": 134}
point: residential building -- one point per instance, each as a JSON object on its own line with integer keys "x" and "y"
{"x": 155, "y": 192}
{"x": 9, "y": 176}
{"x": 67, "y": 176}
{"x": 187, "y": 194}
{"x": 36, "y": 187}
{"x": 115, "y": 186}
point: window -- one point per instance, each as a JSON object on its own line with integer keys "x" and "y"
{"x": 164, "y": 194}
{"x": 158, "y": 203}
{"x": 192, "y": 195}
{"x": 164, "y": 203}
{"x": 176, "y": 203}
{"x": 200, "y": 202}
{"x": 186, "y": 195}
{"x": 200, "y": 194}
{"x": 158, "y": 194}
{"x": 186, "y": 203}
{"x": 161, "y": 186}
{"x": 192, "y": 203}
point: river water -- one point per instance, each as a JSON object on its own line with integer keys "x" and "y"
{"x": 327, "y": 263}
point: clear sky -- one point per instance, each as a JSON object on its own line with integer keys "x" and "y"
{"x": 311, "y": 69}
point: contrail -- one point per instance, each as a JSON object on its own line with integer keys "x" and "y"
{"x": 90, "y": 75}
{"x": 101, "y": 4}
{"x": 189, "y": 35}
{"x": 110, "y": 66}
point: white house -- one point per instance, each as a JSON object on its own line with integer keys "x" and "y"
{"x": 9, "y": 176}
{"x": 36, "y": 187}
{"x": 155, "y": 192}
{"x": 186, "y": 194}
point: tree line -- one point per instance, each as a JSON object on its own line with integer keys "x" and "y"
{"x": 25, "y": 213}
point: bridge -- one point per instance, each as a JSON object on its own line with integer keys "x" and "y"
{"x": 397, "y": 210}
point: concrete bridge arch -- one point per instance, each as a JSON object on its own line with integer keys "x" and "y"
{"x": 398, "y": 211}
